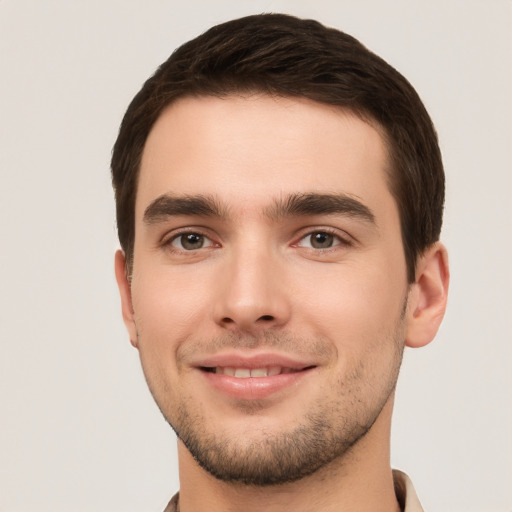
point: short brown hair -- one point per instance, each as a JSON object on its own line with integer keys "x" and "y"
{"x": 283, "y": 55}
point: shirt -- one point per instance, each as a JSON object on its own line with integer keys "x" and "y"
{"x": 405, "y": 494}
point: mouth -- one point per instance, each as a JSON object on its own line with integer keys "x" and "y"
{"x": 254, "y": 378}
{"x": 246, "y": 373}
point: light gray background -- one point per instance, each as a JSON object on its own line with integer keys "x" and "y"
{"x": 78, "y": 429}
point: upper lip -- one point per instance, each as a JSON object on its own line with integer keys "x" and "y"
{"x": 252, "y": 361}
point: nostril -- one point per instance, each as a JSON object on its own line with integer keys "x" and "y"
{"x": 263, "y": 319}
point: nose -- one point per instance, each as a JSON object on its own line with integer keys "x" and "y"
{"x": 252, "y": 295}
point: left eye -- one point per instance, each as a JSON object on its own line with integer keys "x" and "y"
{"x": 191, "y": 241}
{"x": 319, "y": 240}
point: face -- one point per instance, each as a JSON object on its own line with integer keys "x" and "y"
{"x": 269, "y": 282}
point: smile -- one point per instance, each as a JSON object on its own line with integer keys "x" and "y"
{"x": 245, "y": 373}
{"x": 255, "y": 381}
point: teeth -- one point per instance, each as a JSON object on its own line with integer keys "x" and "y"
{"x": 259, "y": 372}
{"x": 245, "y": 373}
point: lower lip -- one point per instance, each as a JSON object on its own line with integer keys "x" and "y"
{"x": 254, "y": 388}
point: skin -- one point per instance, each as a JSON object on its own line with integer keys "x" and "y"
{"x": 261, "y": 284}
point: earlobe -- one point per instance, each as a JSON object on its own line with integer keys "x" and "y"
{"x": 126, "y": 296}
{"x": 427, "y": 297}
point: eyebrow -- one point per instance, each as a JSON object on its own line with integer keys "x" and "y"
{"x": 320, "y": 204}
{"x": 168, "y": 205}
{"x": 294, "y": 205}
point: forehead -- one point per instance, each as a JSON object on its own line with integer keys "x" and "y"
{"x": 250, "y": 149}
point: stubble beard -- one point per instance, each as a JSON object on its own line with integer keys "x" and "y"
{"x": 276, "y": 458}
{"x": 327, "y": 432}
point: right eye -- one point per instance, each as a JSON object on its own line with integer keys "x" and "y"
{"x": 190, "y": 241}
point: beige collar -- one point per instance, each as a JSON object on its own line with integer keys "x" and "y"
{"x": 405, "y": 494}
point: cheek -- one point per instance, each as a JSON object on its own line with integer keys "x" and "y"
{"x": 355, "y": 306}
{"x": 167, "y": 305}
{"x": 165, "y": 308}
{"x": 361, "y": 318}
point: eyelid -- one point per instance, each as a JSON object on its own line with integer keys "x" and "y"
{"x": 207, "y": 241}
{"x": 168, "y": 238}
{"x": 344, "y": 239}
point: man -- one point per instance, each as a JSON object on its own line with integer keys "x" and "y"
{"x": 279, "y": 195}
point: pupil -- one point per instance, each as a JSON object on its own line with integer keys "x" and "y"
{"x": 192, "y": 241}
{"x": 322, "y": 240}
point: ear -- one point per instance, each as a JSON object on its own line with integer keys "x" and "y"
{"x": 427, "y": 297}
{"x": 126, "y": 297}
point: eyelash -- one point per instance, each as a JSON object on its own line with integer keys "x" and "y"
{"x": 343, "y": 241}
{"x": 168, "y": 241}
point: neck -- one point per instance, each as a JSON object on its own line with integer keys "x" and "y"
{"x": 361, "y": 482}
